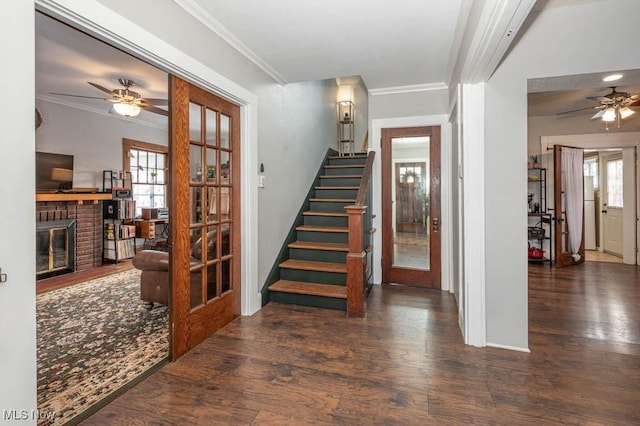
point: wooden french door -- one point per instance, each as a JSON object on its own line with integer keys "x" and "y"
{"x": 411, "y": 206}
{"x": 205, "y": 214}
{"x": 563, "y": 255}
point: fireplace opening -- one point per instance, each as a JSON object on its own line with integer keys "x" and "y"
{"x": 55, "y": 248}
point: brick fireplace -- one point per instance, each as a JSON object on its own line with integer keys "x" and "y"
{"x": 87, "y": 218}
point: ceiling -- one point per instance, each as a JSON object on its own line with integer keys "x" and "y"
{"x": 66, "y": 60}
{"x": 553, "y": 95}
{"x": 387, "y": 45}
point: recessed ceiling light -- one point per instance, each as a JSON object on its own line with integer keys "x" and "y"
{"x": 612, "y": 77}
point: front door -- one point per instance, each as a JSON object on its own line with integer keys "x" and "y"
{"x": 205, "y": 213}
{"x": 411, "y": 206}
{"x": 612, "y": 205}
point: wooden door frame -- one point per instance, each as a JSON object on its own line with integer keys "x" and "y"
{"x": 411, "y": 276}
{"x": 189, "y": 327}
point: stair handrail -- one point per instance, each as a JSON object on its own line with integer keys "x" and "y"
{"x": 364, "y": 182}
{"x": 359, "y": 224}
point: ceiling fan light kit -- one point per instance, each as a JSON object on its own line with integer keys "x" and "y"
{"x": 125, "y": 101}
{"x": 126, "y": 109}
{"x": 614, "y": 106}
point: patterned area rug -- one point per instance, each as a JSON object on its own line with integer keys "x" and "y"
{"x": 93, "y": 339}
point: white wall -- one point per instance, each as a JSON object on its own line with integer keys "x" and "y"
{"x": 95, "y": 140}
{"x": 556, "y": 43}
{"x": 17, "y": 213}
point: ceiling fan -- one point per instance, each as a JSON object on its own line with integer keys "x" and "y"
{"x": 614, "y": 106}
{"x": 125, "y": 101}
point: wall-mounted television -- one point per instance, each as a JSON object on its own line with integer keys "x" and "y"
{"x": 54, "y": 172}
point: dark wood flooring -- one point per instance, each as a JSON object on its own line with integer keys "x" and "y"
{"x": 406, "y": 364}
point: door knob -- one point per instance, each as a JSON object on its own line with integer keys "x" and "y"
{"x": 436, "y": 224}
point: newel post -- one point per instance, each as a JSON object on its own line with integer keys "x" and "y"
{"x": 356, "y": 263}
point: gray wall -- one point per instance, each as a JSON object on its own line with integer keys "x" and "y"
{"x": 95, "y": 140}
{"x": 577, "y": 125}
{"x": 557, "y": 43}
{"x": 411, "y": 104}
{"x": 296, "y": 122}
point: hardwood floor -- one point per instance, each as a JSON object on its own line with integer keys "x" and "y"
{"x": 406, "y": 363}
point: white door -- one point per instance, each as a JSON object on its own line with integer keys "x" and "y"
{"x": 612, "y": 205}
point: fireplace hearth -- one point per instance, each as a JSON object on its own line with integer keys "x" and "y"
{"x": 55, "y": 248}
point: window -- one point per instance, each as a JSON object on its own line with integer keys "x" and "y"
{"x": 614, "y": 183}
{"x": 149, "y": 168}
{"x": 591, "y": 169}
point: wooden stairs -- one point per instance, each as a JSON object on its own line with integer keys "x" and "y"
{"x": 315, "y": 272}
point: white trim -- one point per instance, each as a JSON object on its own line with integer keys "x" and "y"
{"x": 511, "y": 348}
{"x": 445, "y": 190}
{"x": 198, "y": 12}
{"x": 499, "y": 24}
{"x": 408, "y": 89}
{"x": 474, "y": 213}
{"x": 102, "y": 22}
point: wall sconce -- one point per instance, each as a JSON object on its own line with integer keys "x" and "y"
{"x": 345, "y": 119}
{"x": 345, "y": 103}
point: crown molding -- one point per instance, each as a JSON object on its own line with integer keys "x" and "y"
{"x": 408, "y": 89}
{"x": 53, "y": 100}
{"x": 195, "y": 10}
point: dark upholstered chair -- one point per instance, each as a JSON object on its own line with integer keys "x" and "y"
{"x": 154, "y": 264}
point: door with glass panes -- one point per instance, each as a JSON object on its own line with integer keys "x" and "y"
{"x": 205, "y": 214}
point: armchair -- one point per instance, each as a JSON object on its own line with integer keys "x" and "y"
{"x": 155, "y": 278}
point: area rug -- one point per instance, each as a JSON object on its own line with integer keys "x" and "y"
{"x": 94, "y": 338}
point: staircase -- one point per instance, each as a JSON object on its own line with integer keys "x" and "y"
{"x": 315, "y": 274}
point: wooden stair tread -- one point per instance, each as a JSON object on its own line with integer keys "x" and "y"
{"x": 311, "y": 265}
{"x": 345, "y": 166}
{"x": 333, "y": 200}
{"x": 340, "y": 176}
{"x": 315, "y": 228}
{"x": 313, "y": 245}
{"x": 312, "y": 289}
{"x": 328, "y": 214}
{"x": 337, "y": 187}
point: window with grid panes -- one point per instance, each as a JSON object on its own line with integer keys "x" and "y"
{"x": 148, "y": 178}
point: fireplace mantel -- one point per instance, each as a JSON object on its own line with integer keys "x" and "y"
{"x": 80, "y": 197}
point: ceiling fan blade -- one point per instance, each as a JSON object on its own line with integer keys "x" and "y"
{"x": 153, "y": 109}
{"x": 75, "y": 96}
{"x": 573, "y": 111}
{"x": 155, "y": 101}
{"x": 104, "y": 89}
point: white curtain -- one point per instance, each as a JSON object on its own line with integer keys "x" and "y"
{"x": 573, "y": 181}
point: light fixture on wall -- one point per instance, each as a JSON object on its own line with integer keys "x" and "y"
{"x": 345, "y": 119}
{"x": 128, "y": 109}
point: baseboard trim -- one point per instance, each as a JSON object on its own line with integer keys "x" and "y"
{"x": 510, "y": 348}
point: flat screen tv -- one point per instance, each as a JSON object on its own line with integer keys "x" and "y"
{"x": 54, "y": 172}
